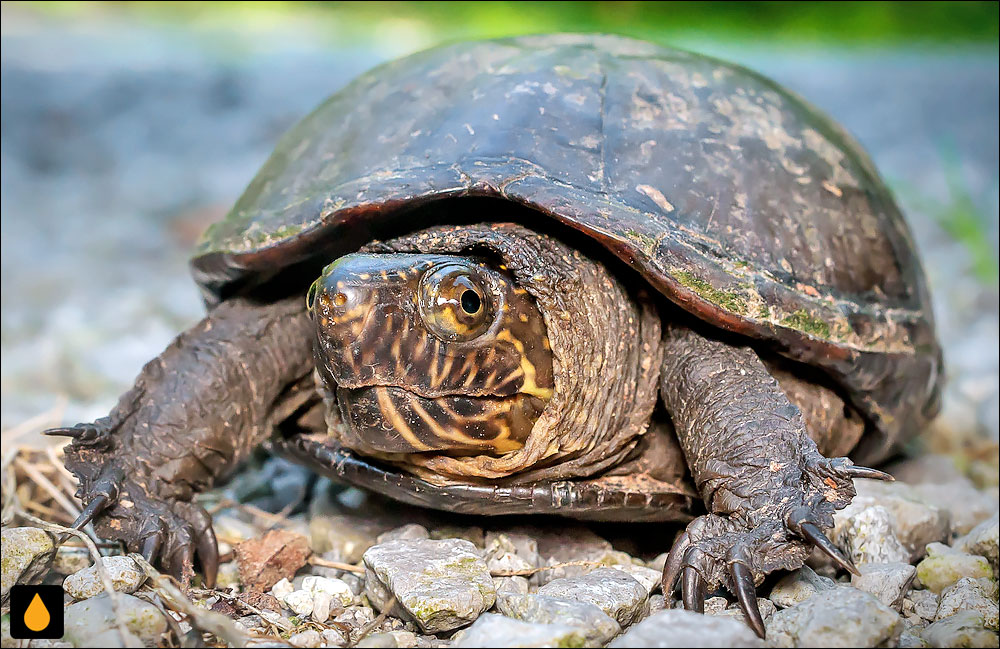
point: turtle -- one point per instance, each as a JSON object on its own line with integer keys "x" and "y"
{"x": 567, "y": 274}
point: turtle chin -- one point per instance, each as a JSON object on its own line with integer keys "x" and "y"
{"x": 393, "y": 420}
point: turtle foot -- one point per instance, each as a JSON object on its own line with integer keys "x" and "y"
{"x": 738, "y": 549}
{"x": 122, "y": 502}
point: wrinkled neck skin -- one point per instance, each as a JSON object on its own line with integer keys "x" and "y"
{"x": 605, "y": 362}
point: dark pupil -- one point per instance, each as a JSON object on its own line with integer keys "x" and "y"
{"x": 471, "y": 302}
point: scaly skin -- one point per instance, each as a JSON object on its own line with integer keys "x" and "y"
{"x": 769, "y": 490}
{"x": 194, "y": 412}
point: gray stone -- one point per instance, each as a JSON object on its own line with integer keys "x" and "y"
{"x": 964, "y": 629}
{"x": 722, "y": 606}
{"x": 922, "y": 603}
{"x": 679, "y": 628}
{"x": 943, "y": 566}
{"x": 796, "y": 587}
{"x": 914, "y": 522}
{"x": 889, "y": 582}
{"x": 126, "y": 577}
{"x": 27, "y": 555}
{"x": 835, "y": 617}
{"x": 517, "y": 585}
{"x": 441, "y": 585}
{"x": 613, "y": 591}
{"x": 409, "y": 531}
{"x": 307, "y": 638}
{"x": 596, "y": 625}
{"x": 646, "y": 576}
{"x": 968, "y": 506}
{"x": 89, "y": 619}
{"x": 492, "y": 630}
{"x": 523, "y": 545}
{"x": 910, "y": 639}
{"x": 868, "y": 536}
{"x": 983, "y": 540}
{"x": 70, "y": 559}
{"x": 979, "y": 595}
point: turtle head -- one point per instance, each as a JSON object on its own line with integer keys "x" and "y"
{"x": 430, "y": 352}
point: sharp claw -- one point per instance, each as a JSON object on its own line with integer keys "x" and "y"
{"x": 73, "y": 432}
{"x": 95, "y": 507}
{"x": 864, "y": 472}
{"x": 181, "y": 567}
{"x": 746, "y": 593}
{"x": 817, "y": 538}
{"x": 672, "y": 567}
{"x": 694, "y": 590}
{"x": 151, "y": 546}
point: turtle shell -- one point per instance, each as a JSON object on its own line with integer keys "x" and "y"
{"x": 734, "y": 198}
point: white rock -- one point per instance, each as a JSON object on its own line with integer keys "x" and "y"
{"x": 410, "y": 531}
{"x": 281, "y": 589}
{"x": 322, "y": 604}
{"x": 90, "y": 618}
{"x": 966, "y": 594}
{"x": 835, "y": 617}
{"x": 646, "y": 576}
{"x": 798, "y": 586}
{"x": 27, "y": 554}
{"x": 492, "y": 630}
{"x": 126, "y": 577}
{"x": 300, "y": 602}
{"x": 308, "y": 638}
{"x": 333, "y": 638}
{"x": 337, "y": 589}
{"x": 964, "y": 629}
{"x": 679, "y": 628}
{"x": 869, "y": 537}
{"x": 441, "y": 585}
{"x": 983, "y": 540}
{"x": 889, "y": 582}
{"x": 943, "y": 566}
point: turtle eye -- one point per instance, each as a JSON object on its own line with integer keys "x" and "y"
{"x": 454, "y": 302}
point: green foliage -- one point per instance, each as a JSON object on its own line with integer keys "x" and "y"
{"x": 840, "y": 22}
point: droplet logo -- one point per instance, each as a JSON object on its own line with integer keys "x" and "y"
{"x": 36, "y": 612}
{"x": 37, "y": 617}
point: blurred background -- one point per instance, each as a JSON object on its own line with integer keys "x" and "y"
{"x": 125, "y": 128}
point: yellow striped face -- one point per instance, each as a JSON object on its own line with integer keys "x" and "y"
{"x": 431, "y": 353}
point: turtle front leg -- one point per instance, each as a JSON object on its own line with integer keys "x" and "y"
{"x": 194, "y": 412}
{"x": 769, "y": 490}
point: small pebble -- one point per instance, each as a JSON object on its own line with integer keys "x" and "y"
{"x": 835, "y": 617}
{"x": 126, "y": 577}
{"x": 679, "y": 628}
{"x": 798, "y": 586}
{"x": 492, "y": 630}
{"x": 308, "y": 638}
{"x": 963, "y": 629}
{"x": 943, "y": 566}
{"x": 300, "y": 602}
{"x": 86, "y": 620}
{"x": 613, "y": 591}
{"x": 27, "y": 555}
{"x": 281, "y": 589}
{"x": 983, "y": 541}
{"x": 889, "y": 582}
{"x": 966, "y": 594}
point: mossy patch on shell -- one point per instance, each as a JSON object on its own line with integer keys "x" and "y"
{"x": 804, "y": 321}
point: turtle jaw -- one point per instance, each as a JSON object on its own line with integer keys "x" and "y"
{"x": 392, "y": 420}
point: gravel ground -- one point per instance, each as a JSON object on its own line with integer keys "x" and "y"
{"x": 110, "y": 170}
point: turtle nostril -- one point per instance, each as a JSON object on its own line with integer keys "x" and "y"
{"x": 339, "y": 299}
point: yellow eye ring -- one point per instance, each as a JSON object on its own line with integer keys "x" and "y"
{"x": 454, "y": 301}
